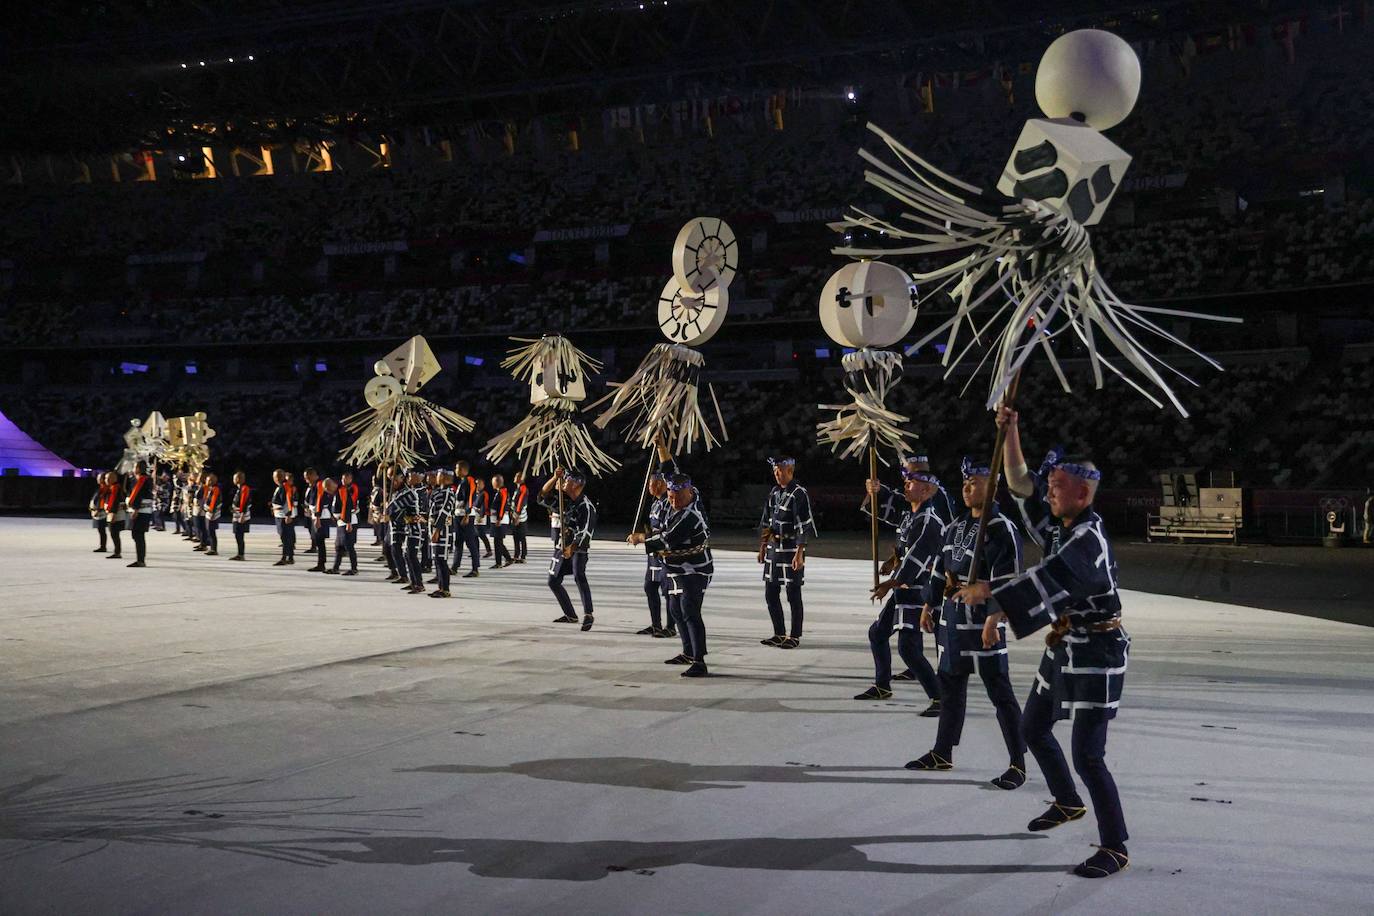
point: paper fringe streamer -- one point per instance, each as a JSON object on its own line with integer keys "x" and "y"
{"x": 525, "y": 363}
{"x": 550, "y": 436}
{"x": 865, "y": 420}
{"x": 1040, "y": 262}
{"x": 663, "y": 394}
{"x": 391, "y": 434}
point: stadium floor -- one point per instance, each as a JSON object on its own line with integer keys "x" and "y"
{"x": 212, "y": 737}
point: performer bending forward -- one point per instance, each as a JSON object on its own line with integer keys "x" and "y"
{"x": 961, "y": 629}
{"x": 575, "y": 529}
{"x": 782, "y": 549}
{"x": 1074, "y": 592}
{"x": 682, "y": 544}
{"x": 919, "y": 538}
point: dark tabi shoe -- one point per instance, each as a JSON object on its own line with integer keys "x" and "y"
{"x": 521, "y": 560}
{"x": 349, "y": 572}
{"x": 565, "y": 619}
{"x": 670, "y": 633}
{"x": 237, "y": 556}
{"x": 281, "y": 562}
{"x": 1056, "y": 815}
{"x": 99, "y": 550}
{"x": 113, "y": 556}
{"x": 907, "y": 675}
{"x": 1013, "y": 778}
{"x": 586, "y": 623}
{"x": 486, "y": 555}
{"x": 416, "y": 590}
{"x": 136, "y": 564}
{"x": 471, "y": 575}
{"x": 875, "y": 693}
{"x": 434, "y": 581}
{"x": 316, "y": 568}
{"x": 212, "y": 553}
{"x": 791, "y": 642}
{"x": 773, "y": 641}
{"x": 379, "y": 559}
{"x": 932, "y": 711}
{"x": 678, "y": 659}
{"x": 290, "y": 561}
{"x": 394, "y": 578}
{"x": 647, "y": 631}
{"x": 200, "y": 548}
{"x": 439, "y": 593}
{"x": 1103, "y": 863}
{"x": 696, "y": 669}
{"x": 331, "y": 572}
{"x": 658, "y": 633}
{"x": 930, "y": 761}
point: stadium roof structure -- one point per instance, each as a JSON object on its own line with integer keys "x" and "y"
{"x": 96, "y": 78}
{"x": 19, "y": 450}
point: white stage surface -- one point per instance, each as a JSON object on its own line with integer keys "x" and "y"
{"x": 204, "y": 736}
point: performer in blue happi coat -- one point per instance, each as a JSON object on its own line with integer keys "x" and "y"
{"x": 1073, "y": 591}
{"x": 443, "y": 507}
{"x": 576, "y": 526}
{"x": 655, "y": 579}
{"x": 960, "y": 628}
{"x": 919, "y": 537}
{"x": 892, "y": 501}
{"x": 683, "y": 545}
{"x": 407, "y": 512}
{"x": 783, "y": 531}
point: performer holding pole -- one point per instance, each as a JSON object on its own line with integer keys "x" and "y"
{"x": 682, "y": 544}
{"x": 919, "y": 539}
{"x": 1073, "y": 591}
{"x": 577, "y": 525}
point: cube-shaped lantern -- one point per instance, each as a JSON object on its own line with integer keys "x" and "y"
{"x": 554, "y": 382}
{"x": 1067, "y": 166}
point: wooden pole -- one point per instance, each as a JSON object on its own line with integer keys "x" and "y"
{"x": 998, "y": 445}
{"x": 660, "y": 452}
{"x": 873, "y": 510}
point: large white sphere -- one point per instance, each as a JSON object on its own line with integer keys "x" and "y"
{"x": 868, "y": 304}
{"x": 1088, "y": 73}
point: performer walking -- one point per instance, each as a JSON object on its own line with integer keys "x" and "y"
{"x": 520, "y": 516}
{"x": 1073, "y": 591}
{"x": 114, "y": 512}
{"x": 139, "y": 504}
{"x": 961, "y": 628}
{"x": 500, "y": 519}
{"x": 682, "y": 544}
{"x": 376, "y": 514}
{"x": 344, "y": 508}
{"x": 199, "y": 491}
{"x": 441, "y": 509}
{"x": 920, "y": 534}
{"x": 242, "y": 510}
{"x": 892, "y": 502}
{"x": 576, "y": 527}
{"x": 284, "y": 515}
{"x": 162, "y": 501}
{"x": 466, "y": 535}
{"x": 99, "y": 520}
{"x": 785, "y": 526}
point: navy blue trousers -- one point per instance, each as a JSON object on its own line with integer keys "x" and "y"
{"x": 909, "y": 647}
{"x": 1088, "y": 743}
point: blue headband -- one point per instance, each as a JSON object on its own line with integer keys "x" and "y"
{"x": 574, "y": 477}
{"x": 1054, "y": 462}
{"x": 782, "y": 462}
{"x": 684, "y": 483}
{"x": 969, "y": 468}
{"x": 922, "y": 458}
{"x": 925, "y": 476}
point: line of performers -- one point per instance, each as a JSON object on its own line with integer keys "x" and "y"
{"x": 426, "y": 520}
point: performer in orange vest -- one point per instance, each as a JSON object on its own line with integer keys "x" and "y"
{"x": 139, "y": 506}
{"x": 499, "y": 519}
{"x": 243, "y": 511}
{"x": 345, "y": 512}
{"x": 213, "y": 510}
{"x": 519, "y": 517}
